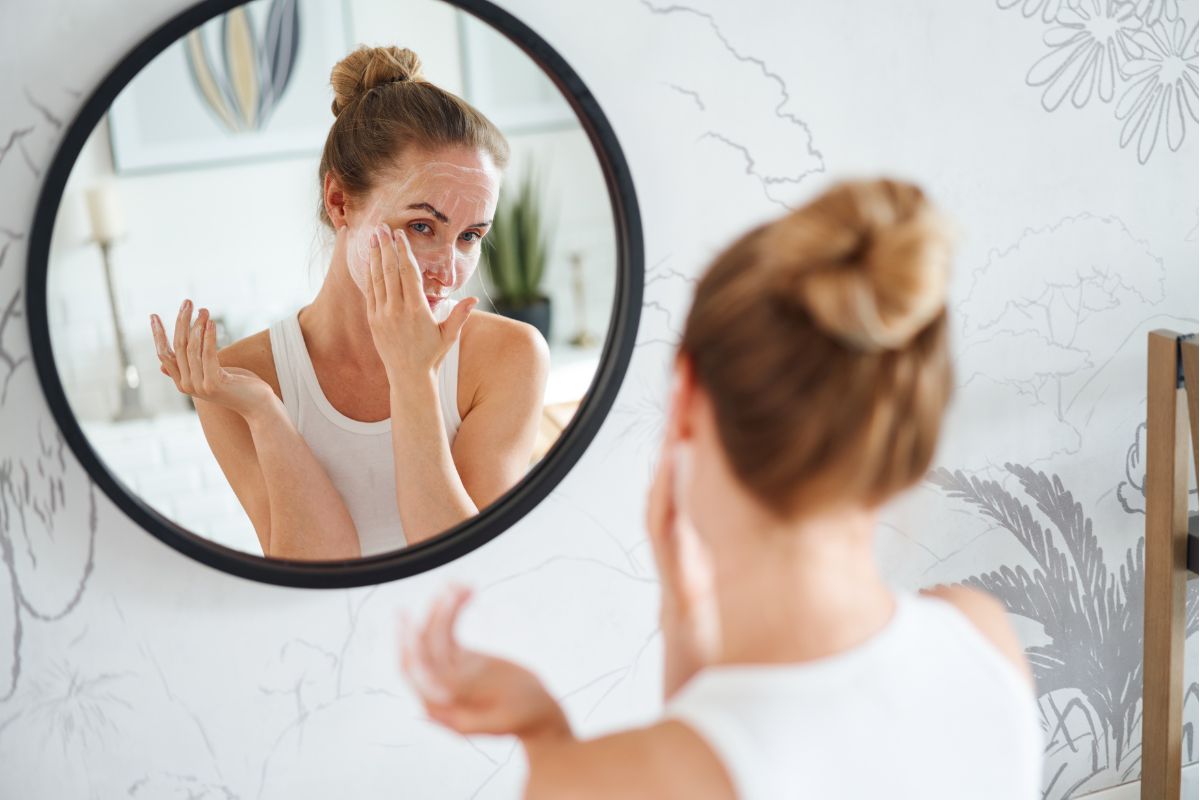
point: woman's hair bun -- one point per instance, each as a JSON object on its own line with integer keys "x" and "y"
{"x": 368, "y": 67}
{"x": 867, "y": 261}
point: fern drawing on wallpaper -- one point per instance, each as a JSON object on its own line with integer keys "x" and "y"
{"x": 1142, "y": 54}
{"x": 1088, "y": 671}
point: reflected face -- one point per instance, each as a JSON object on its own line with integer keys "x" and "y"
{"x": 444, "y": 202}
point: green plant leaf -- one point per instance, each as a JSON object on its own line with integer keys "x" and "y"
{"x": 516, "y": 259}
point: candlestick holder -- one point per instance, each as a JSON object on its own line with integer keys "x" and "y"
{"x": 108, "y": 226}
{"x": 129, "y": 381}
{"x": 583, "y": 337}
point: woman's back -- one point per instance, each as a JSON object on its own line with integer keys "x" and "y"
{"x": 809, "y": 389}
{"x": 928, "y": 708}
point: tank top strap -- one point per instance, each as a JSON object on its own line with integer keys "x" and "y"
{"x": 299, "y": 387}
{"x": 711, "y": 711}
{"x": 448, "y": 390}
{"x": 285, "y": 364}
{"x": 448, "y": 378}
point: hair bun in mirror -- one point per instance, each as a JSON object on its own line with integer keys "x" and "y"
{"x": 369, "y": 67}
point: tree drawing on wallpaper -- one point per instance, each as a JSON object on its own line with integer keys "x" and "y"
{"x": 255, "y": 73}
{"x": 1077, "y": 293}
{"x": 34, "y": 479}
{"x": 10, "y": 312}
{"x": 1089, "y": 669}
{"x": 733, "y": 100}
{"x": 736, "y": 102}
{"x": 1142, "y": 53}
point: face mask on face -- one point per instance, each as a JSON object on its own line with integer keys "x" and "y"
{"x": 443, "y": 210}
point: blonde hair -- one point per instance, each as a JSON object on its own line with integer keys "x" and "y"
{"x": 383, "y": 105}
{"x": 821, "y": 339}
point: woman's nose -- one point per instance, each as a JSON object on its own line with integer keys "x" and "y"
{"x": 443, "y": 270}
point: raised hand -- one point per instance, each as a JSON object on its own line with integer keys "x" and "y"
{"x": 470, "y": 692}
{"x": 407, "y": 336}
{"x": 192, "y": 364}
{"x": 689, "y": 618}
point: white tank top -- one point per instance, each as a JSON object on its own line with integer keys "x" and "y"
{"x": 928, "y": 708}
{"x": 356, "y": 455}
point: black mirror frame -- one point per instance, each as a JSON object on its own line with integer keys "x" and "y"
{"x": 461, "y": 539}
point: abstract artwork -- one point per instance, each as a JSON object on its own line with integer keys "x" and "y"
{"x": 257, "y": 71}
{"x": 249, "y": 84}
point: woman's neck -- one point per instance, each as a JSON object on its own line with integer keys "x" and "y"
{"x": 335, "y": 323}
{"x": 799, "y": 591}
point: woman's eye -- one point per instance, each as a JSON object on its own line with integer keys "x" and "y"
{"x": 471, "y": 236}
{"x": 421, "y": 227}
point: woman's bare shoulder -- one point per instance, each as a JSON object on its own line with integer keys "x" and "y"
{"x": 495, "y": 349}
{"x": 486, "y": 334}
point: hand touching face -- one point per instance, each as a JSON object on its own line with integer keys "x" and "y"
{"x": 410, "y": 340}
{"x": 444, "y": 208}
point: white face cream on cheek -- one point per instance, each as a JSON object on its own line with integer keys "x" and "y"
{"x": 358, "y": 255}
{"x": 446, "y": 199}
{"x": 465, "y": 265}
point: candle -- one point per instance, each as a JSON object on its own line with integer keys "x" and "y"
{"x": 104, "y": 208}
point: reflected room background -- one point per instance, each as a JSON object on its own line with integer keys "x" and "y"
{"x": 201, "y": 182}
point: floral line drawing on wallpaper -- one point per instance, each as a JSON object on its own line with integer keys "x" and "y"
{"x": 1089, "y": 671}
{"x": 33, "y": 498}
{"x": 255, "y": 75}
{"x": 1131, "y": 492}
{"x": 1144, "y": 54}
{"x": 1150, "y": 11}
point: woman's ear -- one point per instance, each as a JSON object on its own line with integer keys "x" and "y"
{"x": 334, "y": 197}
{"x": 681, "y": 407}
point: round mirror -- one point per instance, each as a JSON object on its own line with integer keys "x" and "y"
{"x": 330, "y": 293}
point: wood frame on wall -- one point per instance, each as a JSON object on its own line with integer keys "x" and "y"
{"x": 1170, "y": 411}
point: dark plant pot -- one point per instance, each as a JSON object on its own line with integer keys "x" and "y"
{"x": 536, "y": 314}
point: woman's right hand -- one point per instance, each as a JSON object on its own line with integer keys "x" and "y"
{"x": 192, "y": 363}
{"x": 688, "y": 613}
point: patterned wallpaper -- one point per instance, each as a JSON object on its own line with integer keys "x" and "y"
{"x": 1061, "y": 134}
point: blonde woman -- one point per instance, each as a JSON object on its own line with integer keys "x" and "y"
{"x": 809, "y": 389}
{"x": 385, "y": 411}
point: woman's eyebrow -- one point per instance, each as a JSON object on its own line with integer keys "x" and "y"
{"x": 426, "y": 207}
{"x": 480, "y": 224}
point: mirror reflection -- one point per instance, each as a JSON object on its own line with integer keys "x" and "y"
{"x": 315, "y": 335}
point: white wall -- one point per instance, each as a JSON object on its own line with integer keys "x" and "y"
{"x": 125, "y": 669}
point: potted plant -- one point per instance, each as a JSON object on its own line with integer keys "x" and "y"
{"x": 515, "y": 259}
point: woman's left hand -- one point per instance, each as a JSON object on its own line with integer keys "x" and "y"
{"x": 470, "y": 692}
{"x": 409, "y": 340}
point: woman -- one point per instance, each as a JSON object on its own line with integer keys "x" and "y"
{"x": 384, "y": 412}
{"x": 809, "y": 390}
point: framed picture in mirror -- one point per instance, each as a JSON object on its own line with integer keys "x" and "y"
{"x": 246, "y": 85}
